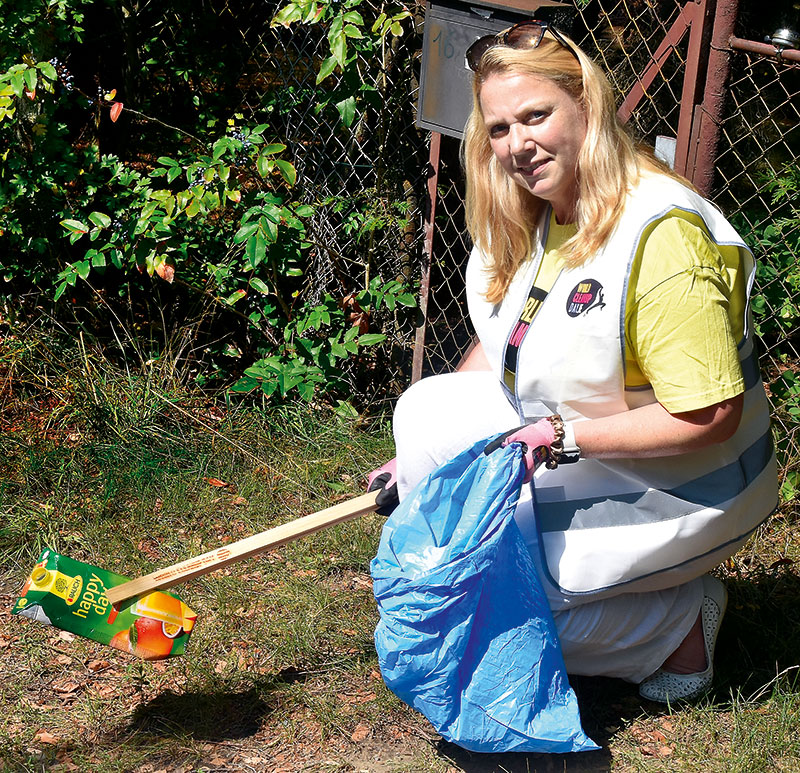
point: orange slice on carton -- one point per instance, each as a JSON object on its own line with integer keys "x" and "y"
{"x": 167, "y": 609}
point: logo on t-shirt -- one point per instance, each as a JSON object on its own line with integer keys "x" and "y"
{"x": 587, "y": 295}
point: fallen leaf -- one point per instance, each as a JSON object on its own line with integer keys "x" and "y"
{"x": 215, "y": 482}
{"x": 66, "y": 636}
{"x": 360, "y": 734}
{"x": 67, "y": 688}
{"x": 97, "y": 665}
{"x": 238, "y": 501}
{"x": 44, "y": 737}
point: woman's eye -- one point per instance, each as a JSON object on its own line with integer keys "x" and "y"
{"x": 498, "y": 131}
{"x": 536, "y": 115}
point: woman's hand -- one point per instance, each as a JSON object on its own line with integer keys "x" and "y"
{"x": 652, "y": 430}
{"x": 536, "y": 439}
{"x": 385, "y": 478}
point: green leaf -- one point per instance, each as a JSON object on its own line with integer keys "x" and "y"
{"x": 83, "y": 267}
{"x": 352, "y": 32}
{"x": 234, "y": 297}
{"x": 259, "y": 285}
{"x": 244, "y": 232}
{"x": 75, "y": 226}
{"x": 256, "y": 249}
{"x": 270, "y": 228}
{"x": 194, "y": 207}
{"x": 31, "y": 77}
{"x": 18, "y": 83}
{"x": 273, "y": 148}
{"x": 326, "y": 68}
{"x": 288, "y": 172}
{"x": 264, "y": 165}
{"x": 338, "y": 45}
{"x": 354, "y": 17}
{"x": 271, "y": 212}
{"x": 167, "y": 161}
{"x": 47, "y": 70}
{"x": 335, "y": 28}
{"x": 306, "y": 390}
{"x": 287, "y": 15}
{"x": 304, "y": 210}
{"x": 100, "y": 219}
{"x": 370, "y": 339}
{"x": 347, "y": 110}
{"x": 376, "y": 25}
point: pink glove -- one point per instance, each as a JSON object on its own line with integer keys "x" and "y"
{"x": 536, "y": 438}
{"x": 385, "y": 478}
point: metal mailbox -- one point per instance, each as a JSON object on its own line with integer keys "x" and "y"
{"x": 445, "y": 95}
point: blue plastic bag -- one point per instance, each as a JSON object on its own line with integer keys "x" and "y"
{"x": 466, "y": 635}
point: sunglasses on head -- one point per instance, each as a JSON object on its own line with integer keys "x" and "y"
{"x": 526, "y": 34}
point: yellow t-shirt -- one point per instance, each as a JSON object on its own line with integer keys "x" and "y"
{"x": 683, "y": 317}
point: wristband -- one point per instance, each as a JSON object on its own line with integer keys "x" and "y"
{"x": 572, "y": 451}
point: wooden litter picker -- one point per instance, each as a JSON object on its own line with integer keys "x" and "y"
{"x": 137, "y": 616}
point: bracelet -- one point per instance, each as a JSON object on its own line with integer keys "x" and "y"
{"x": 564, "y": 449}
{"x": 557, "y": 446}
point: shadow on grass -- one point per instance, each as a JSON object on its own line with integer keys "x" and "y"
{"x": 211, "y": 716}
{"x": 760, "y": 638}
{"x": 605, "y": 704}
{"x": 760, "y": 635}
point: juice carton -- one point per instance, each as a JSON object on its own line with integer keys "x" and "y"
{"x": 71, "y": 595}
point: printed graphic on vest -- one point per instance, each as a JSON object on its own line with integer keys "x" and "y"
{"x": 586, "y": 295}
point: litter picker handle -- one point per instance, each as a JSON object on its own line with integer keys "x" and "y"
{"x": 244, "y": 548}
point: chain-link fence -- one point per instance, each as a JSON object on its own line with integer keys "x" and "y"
{"x": 756, "y": 182}
{"x": 375, "y": 172}
{"x": 357, "y": 152}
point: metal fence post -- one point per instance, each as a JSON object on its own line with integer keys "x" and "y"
{"x": 427, "y": 257}
{"x": 706, "y": 127}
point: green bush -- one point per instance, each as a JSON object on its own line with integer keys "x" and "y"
{"x": 198, "y": 209}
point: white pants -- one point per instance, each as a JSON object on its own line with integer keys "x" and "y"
{"x": 624, "y": 635}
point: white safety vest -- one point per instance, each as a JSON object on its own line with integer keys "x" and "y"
{"x": 642, "y": 523}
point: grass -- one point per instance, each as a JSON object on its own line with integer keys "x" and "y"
{"x": 131, "y": 472}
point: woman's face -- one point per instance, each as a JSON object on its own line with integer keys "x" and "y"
{"x": 536, "y": 130}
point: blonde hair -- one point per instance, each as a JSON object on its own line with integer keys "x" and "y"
{"x": 502, "y": 217}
